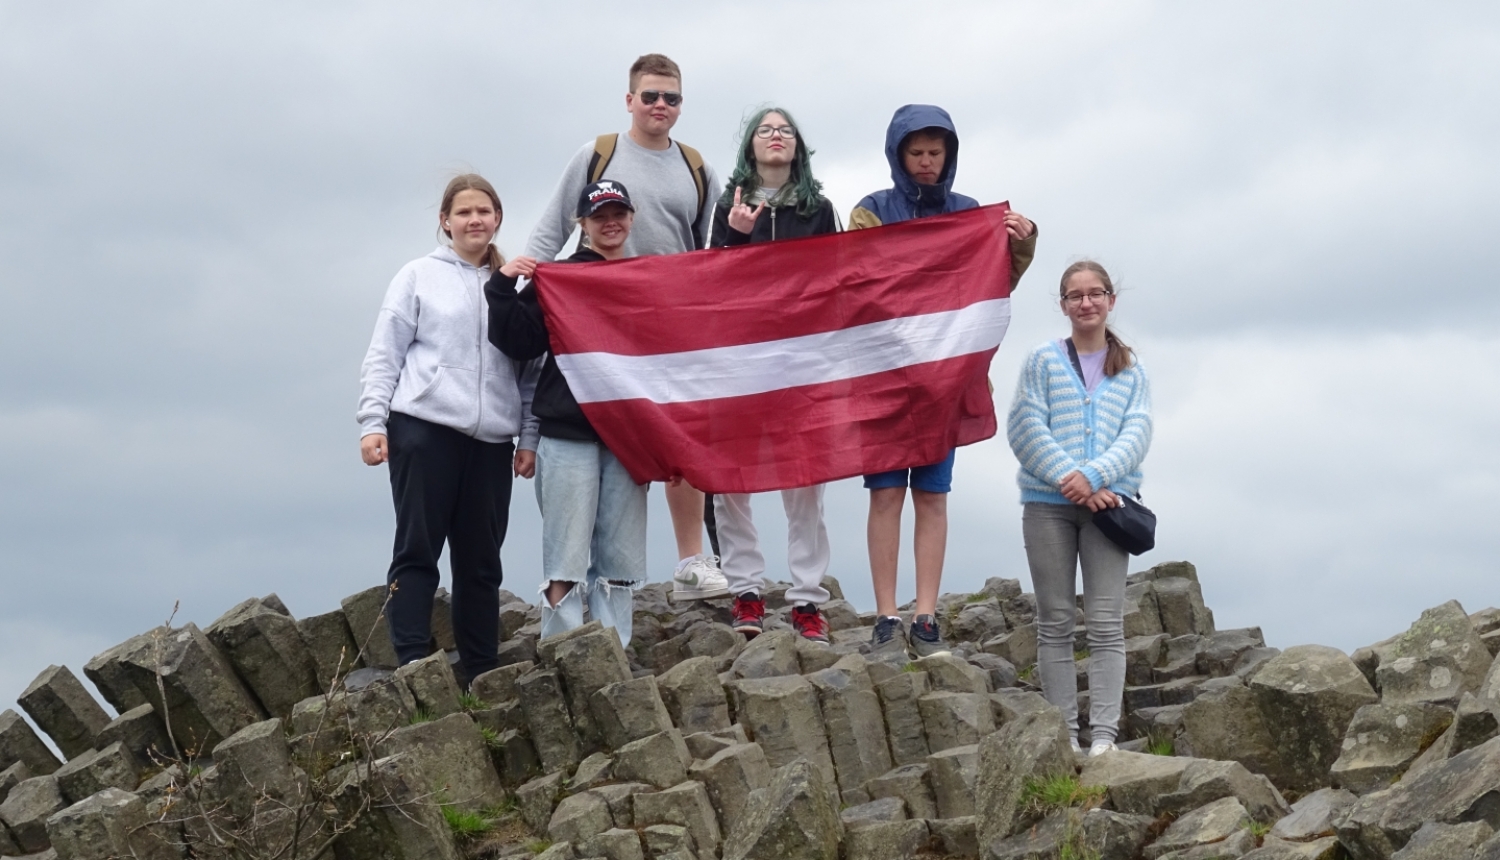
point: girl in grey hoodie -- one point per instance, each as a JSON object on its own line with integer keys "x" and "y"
{"x": 444, "y": 408}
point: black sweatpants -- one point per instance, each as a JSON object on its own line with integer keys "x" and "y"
{"x": 447, "y": 487}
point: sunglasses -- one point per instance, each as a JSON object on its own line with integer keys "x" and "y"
{"x": 650, "y": 96}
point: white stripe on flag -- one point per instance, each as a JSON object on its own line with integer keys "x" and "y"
{"x": 755, "y": 368}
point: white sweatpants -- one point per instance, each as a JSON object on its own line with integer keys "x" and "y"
{"x": 807, "y": 544}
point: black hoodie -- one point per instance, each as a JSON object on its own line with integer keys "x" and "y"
{"x": 518, "y": 328}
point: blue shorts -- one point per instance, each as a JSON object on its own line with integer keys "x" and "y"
{"x": 937, "y": 478}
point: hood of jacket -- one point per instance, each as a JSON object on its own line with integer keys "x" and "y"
{"x": 908, "y": 199}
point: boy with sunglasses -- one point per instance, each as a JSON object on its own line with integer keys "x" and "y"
{"x": 673, "y": 191}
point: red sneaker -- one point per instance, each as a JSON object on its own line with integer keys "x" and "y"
{"x": 810, "y": 623}
{"x": 749, "y": 611}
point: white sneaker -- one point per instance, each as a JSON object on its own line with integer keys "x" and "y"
{"x": 1099, "y": 748}
{"x": 1077, "y": 750}
{"x": 699, "y": 579}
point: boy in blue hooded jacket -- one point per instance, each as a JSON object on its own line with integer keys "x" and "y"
{"x": 922, "y": 148}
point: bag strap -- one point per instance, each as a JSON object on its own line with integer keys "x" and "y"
{"x": 700, "y": 181}
{"x": 1077, "y": 365}
{"x": 604, "y": 150}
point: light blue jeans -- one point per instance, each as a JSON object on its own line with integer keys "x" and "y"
{"x": 1061, "y": 539}
{"x": 593, "y": 534}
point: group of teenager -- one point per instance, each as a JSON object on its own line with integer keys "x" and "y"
{"x": 460, "y": 394}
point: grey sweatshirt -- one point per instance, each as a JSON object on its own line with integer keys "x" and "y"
{"x": 430, "y": 357}
{"x": 660, "y": 186}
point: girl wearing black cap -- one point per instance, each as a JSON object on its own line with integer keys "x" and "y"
{"x": 593, "y": 513}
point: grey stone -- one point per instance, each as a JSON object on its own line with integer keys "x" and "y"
{"x": 549, "y": 720}
{"x": 1473, "y": 724}
{"x": 557, "y": 851}
{"x": 908, "y": 782}
{"x": 592, "y": 772}
{"x": 771, "y": 654}
{"x": 96, "y": 770}
{"x": 955, "y": 836}
{"x": 1028, "y": 747}
{"x": 521, "y": 649}
{"x": 1204, "y": 781}
{"x": 782, "y": 715}
{"x": 1073, "y": 833}
{"x": 365, "y": 614}
{"x": 705, "y": 745}
{"x": 502, "y": 717}
{"x": 1463, "y": 788}
{"x": 886, "y": 840}
{"x": 882, "y": 809}
{"x": 949, "y": 674}
{"x": 331, "y": 645}
{"x": 1490, "y": 850}
{"x": 1142, "y": 655}
{"x": 1253, "y": 660}
{"x": 729, "y": 776}
{"x": 1437, "y": 660}
{"x": 1180, "y": 604}
{"x": 814, "y": 656}
{"x": 1489, "y": 692}
{"x": 578, "y": 817}
{"x": 620, "y": 798}
{"x": 377, "y": 703}
{"x": 1326, "y": 848}
{"x": 1235, "y": 846}
{"x": 1215, "y": 822}
{"x": 1010, "y": 704}
{"x": 62, "y": 708}
{"x": 107, "y": 671}
{"x": 794, "y": 818}
{"x": 1001, "y": 672}
{"x": 899, "y": 695}
{"x": 1438, "y": 841}
{"x": 660, "y": 760}
{"x": 1314, "y": 816}
{"x": 978, "y": 622}
{"x": 1135, "y": 783}
{"x": 402, "y": 820}
{"x": 19, "y": 743}
{"x": 685, "y": 805}
{"x": 854, "y": 721}
{"x": 1309, "y": 693}
{"x": 432, "y": 685}
{"x": 1018, "y": 646}
{"x": 628, "y": 711}
{"x": 537, "y": 798}
{"x": 254, "y": 765}
{"x": 613, "y": 844}
{"x": 514, "y": 757}
{"x": 693, "y": 696}
{"x": 112, "y": 823}
{"x": 1383, "y": 740}
{"x": 1227, "y": 724}
{"x": 588, "y": 659}
{"x": 1222, "y": 650}
{"x": 452, "y": 752}
{"x": 1142, "y": 616}
{"x": 268, "y": 654}
{"x": 498, "y": 686}
{"x": 955, "y": 719}
{"x": 140, "y": 731}
{"x": 953, "y": 775}
{"x": 27, "y": 808}
{"x": 12, "y": 777}
{"x": 665, "y": 839}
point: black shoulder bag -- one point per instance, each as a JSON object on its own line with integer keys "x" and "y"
{"x": 1132, "y": 525}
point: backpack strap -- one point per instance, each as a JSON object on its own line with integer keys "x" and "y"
{"x": 700, "y": 180}
{"x": 604, "y": 150}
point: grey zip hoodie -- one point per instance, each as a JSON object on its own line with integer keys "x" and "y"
{"x": 430, "y": 357}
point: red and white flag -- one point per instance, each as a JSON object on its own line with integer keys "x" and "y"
{"x": 791, "y": 363}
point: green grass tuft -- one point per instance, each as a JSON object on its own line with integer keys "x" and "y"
{"x": 422, "y": 716}
{"x": 1051, "y": 793}
{"x": 1257, "y": 829}
{"x": 471, "y": 702}
{"x": 910, "y": 667}
{"x": 1081, "y": 655}
{"x": 537, "y": 846}
{"x": 977, "y": 598}
{"x": 1161, "y": 745}
{"x": 1027, "y": 674}
{"x": 491, "y": 737}
{"x": 466, "y": 826}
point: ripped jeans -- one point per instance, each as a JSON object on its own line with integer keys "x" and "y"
{"x": 593, "y": 534}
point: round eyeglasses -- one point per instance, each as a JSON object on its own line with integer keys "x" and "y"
{"x": 1073, "y": 300}
{"x": 764, "y": 132}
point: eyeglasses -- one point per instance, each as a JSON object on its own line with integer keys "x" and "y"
{"x": 764, "y": 132}
{"x": 1073, "y": 300}
{"x": 649, "y": 97}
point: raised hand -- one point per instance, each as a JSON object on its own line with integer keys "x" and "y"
{"x": 741, "y": 216}
{"x": 1018, "y": 225}
{"x": 522, "y": 267}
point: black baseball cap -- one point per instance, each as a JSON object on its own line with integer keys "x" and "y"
{"x": 600, "y": 193}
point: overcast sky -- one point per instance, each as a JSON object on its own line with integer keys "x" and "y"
{"x": 201, "y": 206}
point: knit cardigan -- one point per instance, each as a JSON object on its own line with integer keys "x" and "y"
{"x": 1056, "y": 427}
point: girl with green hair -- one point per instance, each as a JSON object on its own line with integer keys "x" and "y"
{"x": 773, "y": 171}
{"x": 772, "y": 195}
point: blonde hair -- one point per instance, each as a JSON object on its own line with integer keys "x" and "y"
{"x": 473, "y": 182}
{"x": 1119, "y": 355}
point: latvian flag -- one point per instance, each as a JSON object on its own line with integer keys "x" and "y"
{"x": 792, "y": 363}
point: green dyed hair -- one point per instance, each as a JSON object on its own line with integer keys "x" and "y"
{"x": 808, "y": 190}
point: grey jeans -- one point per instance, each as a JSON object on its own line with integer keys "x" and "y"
{"x": 1060, "y": 539}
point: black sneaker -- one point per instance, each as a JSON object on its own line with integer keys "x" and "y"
{"x": 926, "y": 641}
{"x": 887, "y": 639}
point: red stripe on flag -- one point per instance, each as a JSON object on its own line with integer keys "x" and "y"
{"x": 808, "y": 435}
{"x": 770, "y": 291}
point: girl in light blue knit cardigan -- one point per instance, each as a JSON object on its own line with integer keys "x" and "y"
{"x": 1080, "y": 438}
